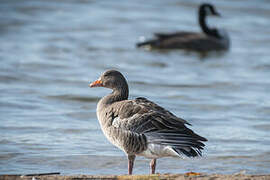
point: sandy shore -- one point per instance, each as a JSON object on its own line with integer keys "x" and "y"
{"x": 139, "y": 177}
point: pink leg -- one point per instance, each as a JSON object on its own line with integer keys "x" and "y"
{"x": 131, "y": 159}
{"x": 153, "y": 166}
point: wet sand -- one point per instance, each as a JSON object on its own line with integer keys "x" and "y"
{"x": 141, "y": 177}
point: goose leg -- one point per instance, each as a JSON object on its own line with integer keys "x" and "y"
{"x": 131, "y": 159}
{"x": 153, "y": 165}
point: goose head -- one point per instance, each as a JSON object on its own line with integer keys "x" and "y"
{"x": 114, "y": 80}
{"x": 207, "y": 9}
{"x": 111, "y": 79}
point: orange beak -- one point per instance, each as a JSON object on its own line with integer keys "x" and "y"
{"x": 97, "y": 83}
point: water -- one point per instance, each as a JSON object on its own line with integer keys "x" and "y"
{"x": 51, "y": 50}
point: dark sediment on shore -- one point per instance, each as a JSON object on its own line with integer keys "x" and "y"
{"x": 138, "y": 177}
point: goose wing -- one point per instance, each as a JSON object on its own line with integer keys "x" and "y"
{"x": 159, "y": 126}
{"x": 195, "y": 41}
{"x": 141, "y": 115}
{"x": 158, "y": 41}
{"x": 176, "y": 34}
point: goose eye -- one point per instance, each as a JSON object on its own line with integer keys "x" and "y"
{"x": 106, "y": 75}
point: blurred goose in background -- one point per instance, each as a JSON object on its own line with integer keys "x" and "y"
{"x": 210, "y": 39}
{"x": 141, "y": 127}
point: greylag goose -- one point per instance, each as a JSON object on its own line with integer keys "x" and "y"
{"x": 210, "y": 39}
{"x": 140, "y": 127}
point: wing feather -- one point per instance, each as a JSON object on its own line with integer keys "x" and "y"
{"x": 158, "y": 125}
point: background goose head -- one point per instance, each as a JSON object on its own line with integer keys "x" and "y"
{"x": 207, "y": 9}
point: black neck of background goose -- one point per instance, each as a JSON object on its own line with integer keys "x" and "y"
{"x": 202, "y": 21}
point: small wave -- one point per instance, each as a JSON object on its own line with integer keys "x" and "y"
{"x": 74, "y": 98}
{"x": 262, "y": 127}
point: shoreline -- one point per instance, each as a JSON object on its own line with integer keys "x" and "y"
{"x": 139, "y": 177}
